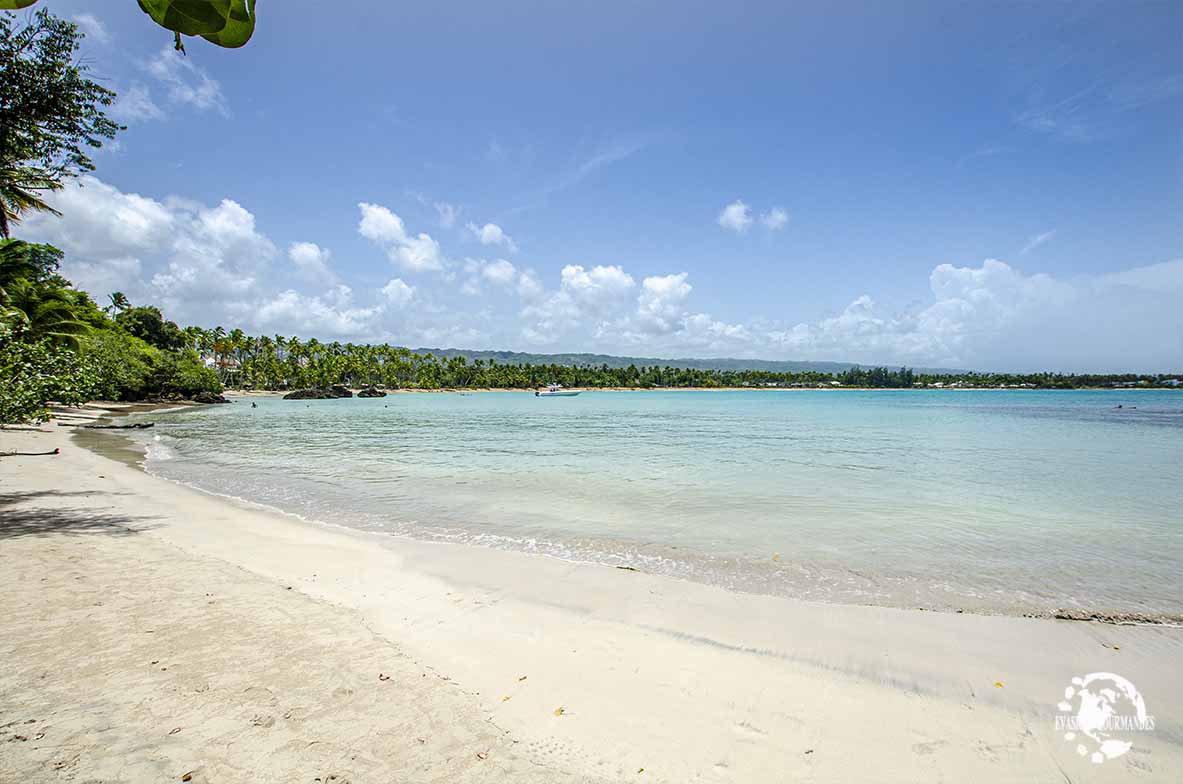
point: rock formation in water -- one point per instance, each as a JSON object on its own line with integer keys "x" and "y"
{"x": 331, "y": 393}
{"x": 372, "y": 392}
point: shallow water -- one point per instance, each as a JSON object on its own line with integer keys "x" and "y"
{"x": 995, "y": 501}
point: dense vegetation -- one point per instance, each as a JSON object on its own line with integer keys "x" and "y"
{"x": 279, "y": 363}
{"x": 57, "y": 344}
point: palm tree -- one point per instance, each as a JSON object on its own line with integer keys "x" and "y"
{"x": 45, "y": 314}
{"x": 118, "y": 304}
{"x": 18, "y": 194}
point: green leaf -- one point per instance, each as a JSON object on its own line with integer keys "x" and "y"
{"x": 189, "y": 17}
{"x": 240, "y": 25}
{"x": 13, "y": 5}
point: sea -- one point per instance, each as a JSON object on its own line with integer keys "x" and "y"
{"x": 1018, "y": 502}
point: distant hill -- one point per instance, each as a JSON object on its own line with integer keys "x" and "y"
{"x": 773, "y": 366}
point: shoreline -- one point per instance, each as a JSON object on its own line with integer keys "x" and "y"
{"x": 529, "y": 390}
{"x": 1112, "y": 614}
{"x": 685, "y": 680}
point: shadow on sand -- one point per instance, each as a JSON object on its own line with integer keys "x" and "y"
{"x": 21, "y": 516}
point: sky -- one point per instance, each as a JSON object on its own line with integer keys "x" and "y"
{"x": 993, "y": 186}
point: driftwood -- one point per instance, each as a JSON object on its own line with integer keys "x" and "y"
{"x": 30, "y": 454}
{"x": 136, "y": 426}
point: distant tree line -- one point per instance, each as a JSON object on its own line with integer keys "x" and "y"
{"x": 281, "y": 363}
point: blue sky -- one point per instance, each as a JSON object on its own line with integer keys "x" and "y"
{"x": 921, "y": 183}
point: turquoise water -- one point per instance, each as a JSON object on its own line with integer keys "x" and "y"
{"x": 994, "y": 501}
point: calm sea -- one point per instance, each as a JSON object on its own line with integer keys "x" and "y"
{"x": 993, "y": 501}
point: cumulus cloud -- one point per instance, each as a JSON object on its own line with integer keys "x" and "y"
{"x": 660, "y": 301}
{"x": 582, "y": 294}
{"x": 186, "y": 83}
{"x": 332, "y": 315}
{"x": 397, "y": 292}
{"x": 994, "y": 316}
{"x": 736, "y": 217}
{"x": 775, "y": 219}
{"x": 492, "y": 234}
{"x": 311, "y": 262}
{"x": 413, "y": 253}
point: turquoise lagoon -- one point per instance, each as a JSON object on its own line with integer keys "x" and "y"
{"x": 989, "y": 501}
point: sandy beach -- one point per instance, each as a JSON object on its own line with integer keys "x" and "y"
{"x": 153, "y": 632}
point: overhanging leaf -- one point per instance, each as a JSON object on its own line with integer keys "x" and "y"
{"x": 240, "y": 25}
{"x": 14, "y": 5}
{"x": 189, "y": 17}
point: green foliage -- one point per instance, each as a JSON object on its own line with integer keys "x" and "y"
{"x": 49, "y": 112}
{"x": 181, "y": 374}
{"x": 33, "y": 374}
{"x": 227, "y": 23}
{"x": 148, "y": 324}
{"x": 123, "y": 365}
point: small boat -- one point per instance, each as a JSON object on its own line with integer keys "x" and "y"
{"x": 556, "y": 390}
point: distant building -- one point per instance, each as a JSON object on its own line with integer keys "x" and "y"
{"x": 1173, "y": 382}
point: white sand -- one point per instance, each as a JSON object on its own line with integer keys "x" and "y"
{"x": 105, "y": 570}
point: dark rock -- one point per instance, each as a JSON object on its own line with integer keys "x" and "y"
{"x": 372, "y": 392}
{"x": 309, "y": 394}
{"x": 209, "y": 397}
{"x": 331, "y": 393}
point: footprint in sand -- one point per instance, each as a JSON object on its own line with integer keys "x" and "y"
{"x": 750, "y": 732}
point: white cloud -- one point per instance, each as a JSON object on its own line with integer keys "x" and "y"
{"x": 413, "y": 253}
{"x": 398, "y": 293}
{"x": 186, "y": 83}
{"x": 312, "y": 262}
{"x": 775, "y": 219}
{"x": 736, "y": 217}
{"x": 177, "y": 254}
{"x": 660, "y": 301}
{"x": 492, "y": 234}
{"x": 92, "y": 28}
{"x": 994, "y": 316}
{"x": 1036, "y": 241}
{"x": 135, "y": 104}
{"x": 331, "y": 316}
{"x": 584, "y": 296}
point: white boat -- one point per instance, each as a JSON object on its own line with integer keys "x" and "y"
{"x": 556, "y": 390}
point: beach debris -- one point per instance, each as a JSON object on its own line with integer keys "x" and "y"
{"x": 482, "y": 755}
{"x": 383, "y": 677}
{"x": 559, "y": 711}
{"x": 809, "y": 751}
{"x": 135, "y": 426}
{"x": 776, "y": 556}
{"x": 187, "y": 776}
{"x": 174, "y": 730}
{"x": 640, "y": 770}
{"x": 39, "y": 736}
{"x": 505, "y": 698}
{"x": 421, "y": 740}
{"x": 522, "y": 679}
{"x": 998, "y": 684}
